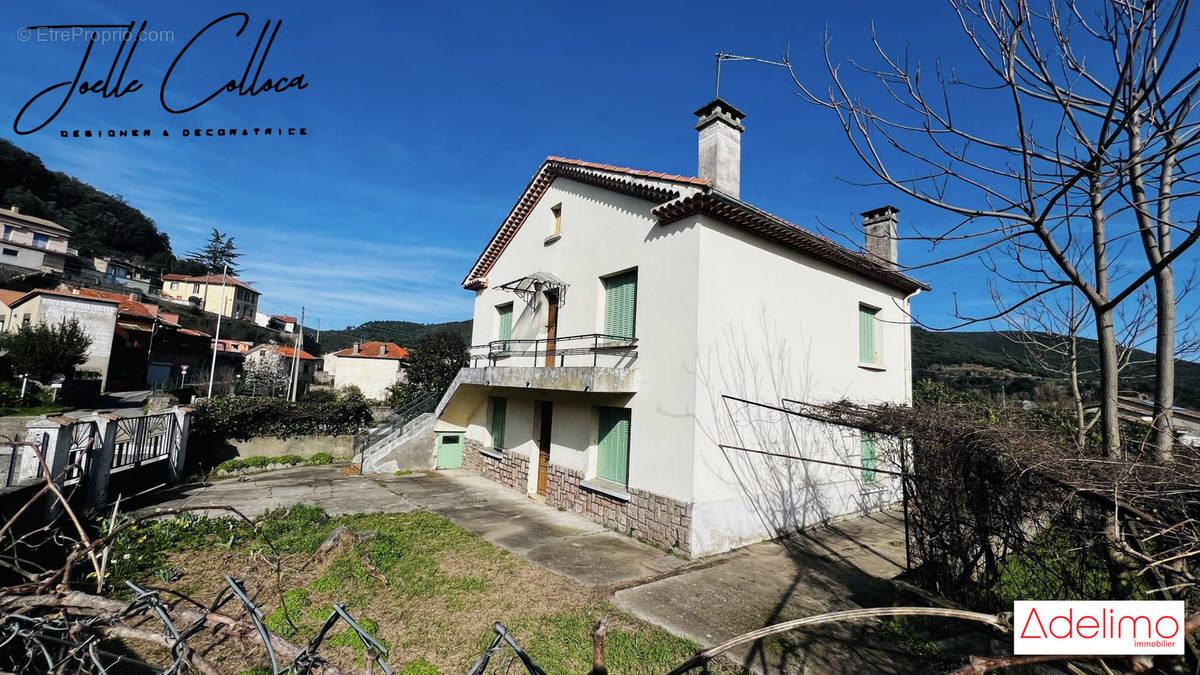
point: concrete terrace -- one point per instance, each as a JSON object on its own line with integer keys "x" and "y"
{"x": 844, "y": 565}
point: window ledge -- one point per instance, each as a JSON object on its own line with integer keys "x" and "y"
{"x": 551, "y": 239}
{"x": 606, "y": 487}
{"x": 494, "y": 453}
{"x": 877, "y": 367}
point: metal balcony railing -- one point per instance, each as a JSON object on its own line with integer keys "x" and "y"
{"x": 570, "y": 350}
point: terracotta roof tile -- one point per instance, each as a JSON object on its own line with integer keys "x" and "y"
{"x": 212, "y": 279}
{"x": 671, "y": 205}
{"x": 633, "y": 172}
{"x": 371, "y": 350}
{"x": 287, "y": 352}
{"x": 8, "y": 297}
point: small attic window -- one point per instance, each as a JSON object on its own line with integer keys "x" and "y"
{"x": 555, "y": 225}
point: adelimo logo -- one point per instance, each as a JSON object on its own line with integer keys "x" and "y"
{"x": 1098, "y": 627}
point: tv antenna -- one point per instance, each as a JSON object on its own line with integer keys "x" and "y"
{"x": 722, "y": 57}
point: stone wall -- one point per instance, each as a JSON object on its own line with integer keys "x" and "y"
{"x": 511, "y": 471}
{"x": 645, "y": 515}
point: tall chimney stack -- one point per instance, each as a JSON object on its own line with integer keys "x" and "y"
{"x": 879, "y": 225}
{"x": 720, "y": 128}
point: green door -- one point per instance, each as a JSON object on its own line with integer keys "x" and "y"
{"x": 450, "y": 451}
{"x": 613, "y": 440}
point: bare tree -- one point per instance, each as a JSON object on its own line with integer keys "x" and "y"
{"x": 1096, "y": 153}
{"x": 1048, "y": 330}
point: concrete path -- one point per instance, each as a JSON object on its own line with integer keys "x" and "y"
{"x": 559, "y": 541}
{"x": 841, "y": 566}
{"x": 123, "y": 403}
{"x": 845, "y": 565}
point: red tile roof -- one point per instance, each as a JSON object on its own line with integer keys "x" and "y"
{"x": 695, "y": 196}
{"x": 371, "y": 350}
{"x": 632, "y": 172}
{"x": 213, "y": 279}
{"x": 287, "y": 352}
{"x": 9, "y": 297}
{"x": 284, "y": 318}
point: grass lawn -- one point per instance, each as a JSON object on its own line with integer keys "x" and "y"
{"x": 425, "y": 587}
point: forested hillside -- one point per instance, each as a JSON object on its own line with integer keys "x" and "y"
{"x": 988, "y": 362}
{"x": 102, "y": 224}
{"x": 403, "y": 333}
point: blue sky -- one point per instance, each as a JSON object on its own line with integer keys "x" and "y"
{"x": 427, "y": 119}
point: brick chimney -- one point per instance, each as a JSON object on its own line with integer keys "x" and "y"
{"x": 382, "y": 349}
{"x": 879, "y": 225}
{"x": 720, "y": 128}
{"x": 357, "y": 346}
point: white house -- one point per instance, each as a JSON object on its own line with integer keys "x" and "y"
{"x": 95, "y": 311}
{"x": 629, "y": 325}
{"x": 29, "y": 244}
{"x": 373, "y": 367}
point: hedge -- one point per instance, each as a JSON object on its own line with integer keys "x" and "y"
{"x": 241, "y": 418}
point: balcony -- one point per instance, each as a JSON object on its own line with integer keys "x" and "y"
{"x": 593, "y": 363}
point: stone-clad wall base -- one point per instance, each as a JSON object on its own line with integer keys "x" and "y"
{"x": 511, "y": 471}
{"x": 646, "y": 515}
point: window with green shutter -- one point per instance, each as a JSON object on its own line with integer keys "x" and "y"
{"x": 499, "y": 415}
{"x": 613, "y": 444}
{"x": 620, "y": 305}
{"x": 866, "y": 450}
{"x": 505, "y": 332}
{"x": 868, "y": 342}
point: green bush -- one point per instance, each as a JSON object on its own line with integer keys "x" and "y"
{"x": 241, "y": 418}
{"x": 239, "y": 463}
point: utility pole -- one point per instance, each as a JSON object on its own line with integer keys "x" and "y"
{"x": 296, "y": 358}
{"x": 212, "y": 372}
{"x": 318, "y": 330}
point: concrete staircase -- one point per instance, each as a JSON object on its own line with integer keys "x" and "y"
{"x": 403, "y": 440}
{"x": 408, "y": 447}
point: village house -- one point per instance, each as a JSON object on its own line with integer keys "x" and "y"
{"x": 96, "y": 314}
{"x": 134, "y": 343}
{"x": 630, "y": 324}
{"x": 279, "y": 322}
{"x": 240, "y": 300}
{"x": 373, "y": 367}
{"x": 280, "y": 358}
{"x": 110, "y": 273}
{"x": 29, "y": 244}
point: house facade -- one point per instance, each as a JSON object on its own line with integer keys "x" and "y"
{"x": 641, "y": 340}
{"x": 95, "y": 312}
{"x": 225, "y": 295}
{"x": 279, "y": 360}
{"x": 30, "y": 244}
{"x": 373, "y": 367}
{"x": 112, "y": 273}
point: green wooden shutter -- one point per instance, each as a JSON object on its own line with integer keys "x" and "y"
{"x": 866, "y": 448}
{"x": 866, "y": 335}
{"x": 499, "y": 415}
{"x": 505, "y": 323}
{"x": 613, "y": 461}
{"x": 620, "y": 305}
